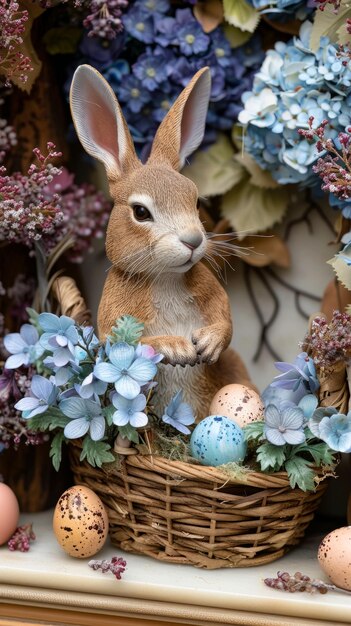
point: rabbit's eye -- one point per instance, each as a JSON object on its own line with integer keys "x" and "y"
{"x": 141, "y": 213}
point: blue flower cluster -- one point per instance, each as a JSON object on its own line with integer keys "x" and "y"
{"x": 159, "y": 52}
{"x": 284, "y": 9}
{"x": 293, "y": 84}
{"x": 92, "y": 385}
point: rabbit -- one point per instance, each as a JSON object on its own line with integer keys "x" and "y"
{"x": 156, "y": 242}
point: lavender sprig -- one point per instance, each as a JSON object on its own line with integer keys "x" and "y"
{"x": 116, "y": 566}
{"x": 299, "y": 582}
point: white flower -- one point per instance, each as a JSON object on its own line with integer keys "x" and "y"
{"x": 259, "y": 109}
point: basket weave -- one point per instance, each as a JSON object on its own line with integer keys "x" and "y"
{"x": 186, "y": 513}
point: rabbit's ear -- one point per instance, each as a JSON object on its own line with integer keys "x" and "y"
{"x": 182, "y": 130}
{"x": 100, "y": 123}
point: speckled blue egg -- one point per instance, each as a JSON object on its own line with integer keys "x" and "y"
{"x": 217, "y": 440}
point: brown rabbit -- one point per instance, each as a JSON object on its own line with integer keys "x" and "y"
{"x": 155, "y": 241}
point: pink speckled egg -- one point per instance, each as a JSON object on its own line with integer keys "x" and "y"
{"x": 334, "y": 556}
{"x": 238, "y": 403}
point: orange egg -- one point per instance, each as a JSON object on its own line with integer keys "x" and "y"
{"x": 9, "y": 513}
{"x": 239, "y": 403}
{"x": 334, "y": 556}
{"x": 80, "y": 522}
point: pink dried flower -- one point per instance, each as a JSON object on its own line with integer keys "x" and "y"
{"x": 116, "y": 566}
{"x": 104, "y": 19}
{"x": 321, "y": 4}
{"x": 21, "y": 538}
{"x": 298, "y": 582}
{"x": 329, "y": 342}
{"x": 13, "y": 63}
{"x": 335, "y": 168}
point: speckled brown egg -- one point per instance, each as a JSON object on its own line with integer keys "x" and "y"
{"x": 80, "y": 522}
{"x": 238, "y": 403}
{"x": 334, "y": 556}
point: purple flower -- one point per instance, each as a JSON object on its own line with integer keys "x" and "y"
{"x": 101, "y": 53}
{"x": 152, "y": 69}
{"x": 43, "y": 395}
{"x": 301, "y": 372}
{"x": 140, "y": 24}
{"x": 85, "y": 415}
{"x": 155, "y": 7}
{"x": 129, "y": 411}
{"x": 179, "y": 414}
{"x": 23, "y": 347}
{"x": 284, "y": 425}
{"x": 191, "y": 37}
{"x": 220, "y": 48}
{"x": 132, "y": 92}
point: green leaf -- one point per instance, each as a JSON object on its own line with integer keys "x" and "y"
{"x": 319, "y": 451}
{"x": 51, "y": 419}
{"x": 127, "y": 329}
{"x": 96, "y": 452}
{"x": 258, "y": 176}
{"x": 341, "y": 268}
{"x": 253, "y": 431}
{"x": 329, "y": 24}
{"x": 236, "y": 36}
{"x": 214, "y": 171}
{"x": 129, "y": 432}
{"x": 108, "y": 414}
{"x": 33, "y": 319}
{"x": 300, "y": 473}
{"x": 241, "y": 14}
{"x": 56, "y": 450}
{"x": 271, "y": 457}
{"x": 62, "y": 40}
{"x": 253, "y": 209}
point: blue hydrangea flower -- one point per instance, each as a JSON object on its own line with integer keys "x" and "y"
{"x": 284, "y": 425}
{"x": 23, "y": 347}
{"x": 125, "y": 370}
{"x": 189, "y": 34}
{"x": 60, "y": 337}
{"x": 43, "y": 395}
{"x": 129, "y": 411}
{"x": 154, "y": 7}
{"x": 101, "y": 53}
{"x": 90, "y": 386}
{"x": 259, "y": 108}
{"x": 301, "y": 372}
{"x": 179, "y": 414}
{"x": 333, "y": 428}
{"x": 86, "y": 415}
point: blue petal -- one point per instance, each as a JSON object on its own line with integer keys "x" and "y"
{"x": 66, "y": 323}
{"x": 292, "y": 418}
{"x": 345, "y": 442}
{"x": 97, "y": 428}
{"x": 61, "y": 357}
{"x": 14, "y": 343}
{"x": 273, "y": 435}
{"x": 61, "y": 340}
{"x": 138, "y": 419}
{"x": 120, "y": 418}
{"x": 127, "y": 387}
{"x": 84, "y": 392}
{"x": 27, "y": 404}
{"x": 139, "y": 403}
{"x": 16, "y": 360}
{"x": 41, "y": 387}
{"x": 294, "y": 437}
{"x": 72, "y": 335}
{"x": 30, "y": 334}
{"x": 74, "y": 407}
{"x": 142, "y": 370}
{"x": 76, "y": 428}
{"x": 174, "y": 403}
{"x": 122, "y": 355}
{"x": 308, "y": 405}
{"x": 272, "y": 416}
{"x": 107, "y": 372}
{"x": 185, "y": 414}
{"x": 49, "y": 322}
{"x": 41, "y": 408}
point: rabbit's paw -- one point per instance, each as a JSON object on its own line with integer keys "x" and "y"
{"x": 178, "y": 351}
{"x": 208, "y": 344}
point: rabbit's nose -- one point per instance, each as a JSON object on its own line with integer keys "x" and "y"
{"x": 192, "y": 240}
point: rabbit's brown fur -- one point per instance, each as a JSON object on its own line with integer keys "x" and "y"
{"x": 157, "y": 274}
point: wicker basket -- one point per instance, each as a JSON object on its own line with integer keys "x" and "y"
{"x": 186, "y": 513}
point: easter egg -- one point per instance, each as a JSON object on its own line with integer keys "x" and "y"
{"x": 334, "y": 557}
{"x": 217, "y": 440}
{"x": 80, "y": 522}
{"x": 238, "y": 403}
{"x": 9, "y": 513}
